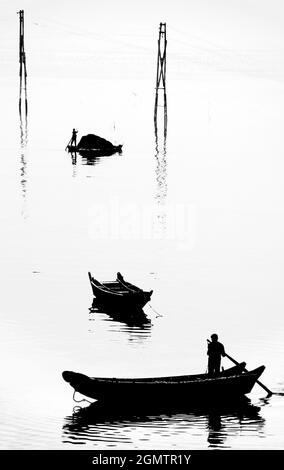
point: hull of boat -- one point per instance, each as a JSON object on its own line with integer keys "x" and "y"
{"x": 95, "y": 152}
{"x": 126, "y": 302}
{"x": 183, "y": 388}
{"x": 113, "y": 296}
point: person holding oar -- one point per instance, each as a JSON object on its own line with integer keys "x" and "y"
{"x": 74, "y": 138}
{"x": 215, "y": 351}
{"x": 73, "y": 141}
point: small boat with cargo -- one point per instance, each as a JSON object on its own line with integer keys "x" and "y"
{"x": 92, "y": 146}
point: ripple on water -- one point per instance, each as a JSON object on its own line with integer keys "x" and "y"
{"x": 98, "y": 427}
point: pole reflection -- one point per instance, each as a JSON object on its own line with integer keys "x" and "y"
{"x": 23, "y": 161}
{"x": 161, "y": 177}
{"x": 23, "y": 113}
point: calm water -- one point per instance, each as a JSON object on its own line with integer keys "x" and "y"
{"x": 200, "y": 220}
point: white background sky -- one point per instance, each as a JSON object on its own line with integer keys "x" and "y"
{"x": 232, "y": 35}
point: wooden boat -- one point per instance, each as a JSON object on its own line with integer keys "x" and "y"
{"x": 119, "y": 293}
{"x": 231, "y": 383}
{"x": 94, "y": 153}
{"x": 91, "y": 146}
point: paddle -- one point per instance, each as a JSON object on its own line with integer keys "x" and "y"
{"x": 237, "y": 363}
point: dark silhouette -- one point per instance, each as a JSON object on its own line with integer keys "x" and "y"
{"x": 119, "y": 294}
{"x": 161, "y": 76}
{"x": 133, "y": 317}
{"x": 229, "y": 384}
{"x": 74, "y": 138}
{"x": 215, "y": 351}
{"x": 74, "y": 158}
{"x": 91, "y": 146}
{"x": 23, "y": 68}
{"x": 93, "y": 142}
{"x": 89, "y": 424}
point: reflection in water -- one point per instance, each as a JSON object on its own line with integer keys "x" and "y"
{"x": 74, "y": 162}
{"x": 23, "y": 111}
{"x": 279, "y": 389}
{"x": 161, "y": 178}
{"x": 215, "y": 437}
{"x": 134, "y": 334}
{"x": 73, "y": 157}
{"x": 245, "y": 419}
{"x": 89, "y": 158}
{"x": 161, "y": 172}
{"x": 136, "y": 325}
{"x": 130, "y": 316}
{"x": 23, "y": 161}
{"x": 109, "y": 426}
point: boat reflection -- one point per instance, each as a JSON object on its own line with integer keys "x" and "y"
{"x": 91, "y": 157}
{"x": 133, "y": 317}
{"x": 215, "y": 434}
{"x": 90, "y": 160}
{"x": 100, "y": 423}
{"x": 224, "y": 423}
{"x": 73, "y": 157}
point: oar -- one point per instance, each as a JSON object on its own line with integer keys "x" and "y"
{"x": 68, "y": 144}
{"x": 237, "y": 363}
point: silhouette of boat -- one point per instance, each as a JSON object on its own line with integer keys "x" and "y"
{"x": 230, "y": 383}
{"x": 92, "y": 145}
{"x": 119, "y": 294}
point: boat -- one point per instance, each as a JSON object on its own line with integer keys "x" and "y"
{"x": 92, "y": 146}
{"x": 230, "y": 383}
{"x": 119, "y": 294}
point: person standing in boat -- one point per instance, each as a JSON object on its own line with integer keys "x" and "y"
{"x": 215, "y": 351}
{"x": 74, "y": 138}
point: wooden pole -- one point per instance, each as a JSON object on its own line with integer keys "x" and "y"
{"x": 161, "y": 76}
{"x": 22, "y": 60}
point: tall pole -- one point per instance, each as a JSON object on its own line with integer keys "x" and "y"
{"x": 161, "y": 76}
{"x": 22, "y": 60}
{"x": 23, "y": 112}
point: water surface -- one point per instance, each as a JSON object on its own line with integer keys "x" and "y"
{"x": 199, "y": 219}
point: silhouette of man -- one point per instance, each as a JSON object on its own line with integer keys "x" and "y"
{"x": 74, "y": 137}
{"x": 215, "y": 351}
